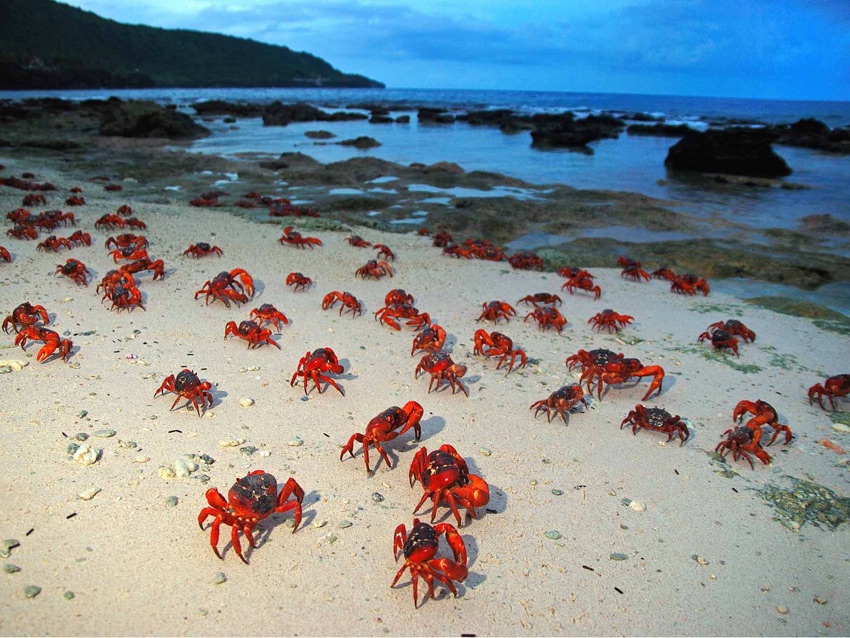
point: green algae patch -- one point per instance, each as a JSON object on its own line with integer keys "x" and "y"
{"x": 824, "y": 318}
{"x": 726, "y": 309}
{"x": 806, "y": 502}
{"x": 726, "y": 359}
{"x": 840, "y": 417}
{"x": 784, "y": 361}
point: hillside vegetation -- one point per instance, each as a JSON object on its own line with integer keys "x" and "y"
{"x": 46, "y": 44}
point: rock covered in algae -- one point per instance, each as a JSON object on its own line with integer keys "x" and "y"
{"x": 806, "y": 502}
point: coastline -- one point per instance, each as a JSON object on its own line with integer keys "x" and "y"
{"x": 138, "y": 565}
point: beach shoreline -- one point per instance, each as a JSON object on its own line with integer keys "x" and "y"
{"x": 561, "y": 548}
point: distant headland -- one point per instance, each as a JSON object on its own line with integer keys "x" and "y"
{"x": 50, "y": 45}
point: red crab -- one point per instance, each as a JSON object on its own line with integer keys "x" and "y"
{"x": 445, "y": 476}
{"x": 763, "y": 414}
{"x": 632, "y": 269}
{"x": 833, "y": 388}
{"x": 526, "y": 261}
{"x": 34, "y": 199}
{"x": 374, "y": 269}
{"x": 432, "y": 338}
{"x": 52, "y": 342}
{"x": 132, "y": 222}
{"x": 53, "y": 243}
{"x": 441, "y": 239}
{"x": 124, "y": 297}
{"x": 113, "y": 188}
{"x": 397, "y": 297}
{"x": 656, "y": 419}
{"x": 560, "y": 402}
{"x": 441, "y": 368}
{"x": 384, "y": 252}
{"x": 611, "y": 368}
{"x": 113, "y": 279}
{"x": 664, "y": 273}
{"x": 453, "y": 250}
{"x": 611, "y": 320}
{"x": 202, "y": 249}
{"x": 130, "y": 253}
{"x": 75, "y": 200}
{"x": 583, "y": 280}
{"x": 127, "y": 240}
{"x": 389, "y": 314}
{"x": 236, "y": 286}
{"x": 25, "y": 315}
{"x": 548, "y": 316}
{"x": 79, "y": 237}
{"x": 299, "y": 281}
{"x": 5, "y": 255}
{"x": 251, "y": 499}
{"x": 187, "y": 385}
{"x": 358, "y": 241}
{"x": 495, "y": 310}
{"x": 389, "y": 424}
{"x": 314, "y": 364}
{"x": 125, "y": 210}
{"x": 720, "y": 338}
{"x": 22, "y": 232}
{"x": 541, "y": 299}
{"x": 348, "y": 302}
{"x": 419, "y": 550}
{"x": 294, "y": 238}
{"x": 141, "y": 265}
{"x": 269, "y": 314}
{"x": 734, "y": 327}
{"x": 495, "y": 344}
{"x": 689, "y": 284}
{"x": 251, "y": 332}
{"x": 109, "y": 222}
{"x": 75, "y": 270}
{"x": 743, "y": 441}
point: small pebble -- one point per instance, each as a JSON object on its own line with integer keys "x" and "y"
{"x": 377, "y": 497}
{"x": 68, "y": 595}
{"x": 171, "y": 501}
{"x": 14, "y": 364}
{"x": 557, "y": 492}
{"x": 321, "y": 523}
{"x": 485, "y": 451}
{"x": 104, "y": 434}
{"x": 81, "y": 436}
{"x": 637, "y": 506}
{"x": 83, "y": 414}
{"x": 184, "y": 467}
{"x": 219, "y": 578}
{"x": 618, "y": 556}
{"x": 5, "y": 369}
{"x": 141, "y": 459}
{"x": 344, "y": 524}
{"x": 31, "y": 591}
{"x": 89, "y": 494}
{"x": 248, "y": 450}
{"x": 701, "y": 560}
{"x": 7, "y": 546}
{"x": 166, "y": 472}
{"x": 553, "y": 534}
{"x": 331, "y": 537}
{"x": 264, "y": 453}
{"x": 305, "y": 398}
{"x": 295, "y": 442}
{"x": 231, "y": 442}
{"x": 9, "y": 568}
{"x": 782, "y": 609}
{"x": 87, "y": 454}
{"x": 841, "y": 427}
{"x": 533, "y": 482}
{"x": 246, "y": 402}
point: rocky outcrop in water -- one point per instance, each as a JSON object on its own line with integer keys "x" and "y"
{"x": 812, "y": 133}
{"x": 733, "y": 151}
{"x": 280, "y": 114}
{"x": 566, "y": 130}
{"x": 147, "y": 119}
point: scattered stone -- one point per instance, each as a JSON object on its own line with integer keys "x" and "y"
{"x": 81, "y": 436}
{"x": 806, "y": 502}
{"x": 699, "y": 559}
{"x": 7, "y": 546}
{"x": 637, "y": 506}
{"x": 231, "y": 442}
{"x": 485, "y": 451}
{"x": 552, "y": 534}
{"x": 295, "y": 442}
{"x": 331, "y": 538}
{"x": 89, "y": 494}
{"x": 68, "y": 595}
{"x": 219, "y": 578}
{"x": 377, "y": 497}
{"x": 184, "y": 467}
{"x": 557, "y": 492}
{"x": 320, "y": 523}
{"x": 171, "y": 501}
{"x": 14, "y": 364}
{"x": 31, "y": 591}
{"x": 9, "y": 568}
{"x": 166, "y": 472}
{"x": 344, "y": 524}
{"x": 87, "y": 454}
{"x": 841, "y": 427}
{"x": 248, "y": 450}
{"x": 104, "y": 434}
{"x": 618, "y": 556}
{"x": 246, "y": 402}
{"x": 782, "y": 609}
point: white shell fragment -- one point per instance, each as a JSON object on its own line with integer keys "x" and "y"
{"x": 89, "y": 494}
{"x": 637, "y": 506}
{"x": 87, "y": 454}
{"x": 295, "y": 442}
{"x": 838, "y": 427}
{"x": 14, "y": 364}
{"x": 246, "y": 402}
{"x": 230, "y": 442}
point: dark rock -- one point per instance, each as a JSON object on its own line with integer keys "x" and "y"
{"x": 403, "y": 119}
{"x": 733, "y": 151}
{"x": 293, "y": 161}
{"x": 642, "y": 117}
{"x": 139, "y": 118}
{"x": 659, "y": 130}
{"x": 363, "y": 142}
{"x": 812, "y": 133}
{"x": 280, "y": 114}
{"x": 380, "y": 118}
{"x": 565, "y": 130}
{"x": 221, "y": 107}
{"x": 346, "y": 116}
{"x": 428, "y": 115}
{"x": 319, "y": 135}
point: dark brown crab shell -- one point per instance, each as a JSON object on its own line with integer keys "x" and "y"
{"x": 657, "y": 417}
{"x": 255, "y": 491}
{"x": 185, "y": 380}
{"x": 421, "y": 536}
{"x": 602, "y": 357}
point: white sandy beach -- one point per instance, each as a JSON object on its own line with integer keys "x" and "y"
{"x": 704, "y": 557}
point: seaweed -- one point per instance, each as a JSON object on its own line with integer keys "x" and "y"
{"x": 722, "y": 357}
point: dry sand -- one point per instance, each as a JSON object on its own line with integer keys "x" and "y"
{"x": 705, "y": 556}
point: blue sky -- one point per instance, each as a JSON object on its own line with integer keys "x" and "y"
{"x": 784, "y": 49}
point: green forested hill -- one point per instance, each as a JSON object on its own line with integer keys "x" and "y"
{"x": 46, "y": 44}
